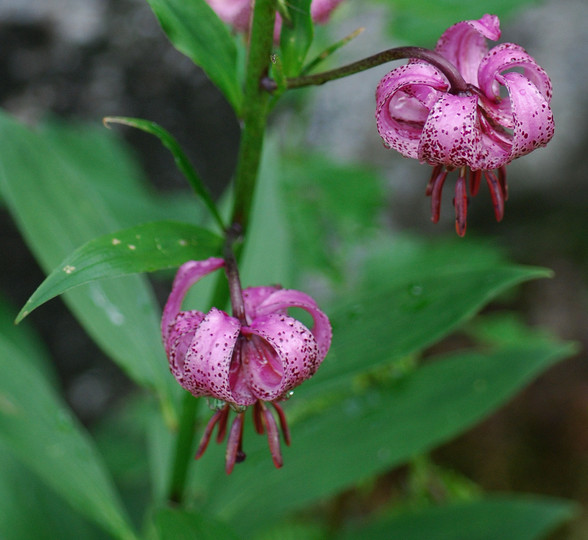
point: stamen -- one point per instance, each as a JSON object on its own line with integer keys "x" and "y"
{"x": 273, "y": 437}
{"x": 436, "y": 170}
{"x": 283, "y": 423}
{"x": 222, "y": 425}
{"x": 461, "y": 204}
{"x": 257, "y": 420}
{"x": 234, "y": 453}
{"x": 502, "y": 181}
{"x": 208, "y": 431}
{"x": 436, "y": 195}
{"x": 497, "y": 194}
{"x": 475, "y": 179}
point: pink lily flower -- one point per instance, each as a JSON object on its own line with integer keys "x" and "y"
{"x": 251, "y": 362}
{"x": 504, "y": 113}
{"x": 238, "y": 12}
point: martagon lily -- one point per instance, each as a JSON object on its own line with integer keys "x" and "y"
{"x": 500, "y": 111}
{"x": 254, "y": 358}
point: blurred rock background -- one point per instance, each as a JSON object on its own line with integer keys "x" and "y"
{"x": 85, "y": 59}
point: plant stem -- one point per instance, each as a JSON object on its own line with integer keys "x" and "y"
{"x": 184, "y": 450}
{"x": 458, "y": 85}
{"x": 255, "y": 110}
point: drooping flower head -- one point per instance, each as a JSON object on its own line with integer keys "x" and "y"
{"x": 501, "y": 112}
{"x": 253, "y": 361}
{"x": 237, "y": 13}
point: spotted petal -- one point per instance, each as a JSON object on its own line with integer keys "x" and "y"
{"x": 533, "y": 119}
{"x": 282, "y": 299}
{"x": 404, "y": 98}
{"x": 188, "y": 274}
{"x": 208, "y": 360}
{"x": 464, "y": 44}
{"x": 253, "y": 297}
{"x": 507, "y": 56}
{"x": 450, "y": 136}
{"x": 296, "y": 356}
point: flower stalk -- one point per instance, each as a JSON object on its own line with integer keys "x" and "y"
{"x": 458, "y": 84}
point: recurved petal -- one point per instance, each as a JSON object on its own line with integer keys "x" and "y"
{"x": 296, "y": 356}
{"x": 451, "y": 136}
{"x": 404, "y": 98}
{"x": 188, "y": 274}
{"x": 208, "y": 359}
{"x": 533, "y": 119}
{"x": 464, "y": 44}
{"x": 180, "y": 336}
{"x": 254, "y": 296}
{"x": 507, "y": 56}
{"x": 280, "y": 300}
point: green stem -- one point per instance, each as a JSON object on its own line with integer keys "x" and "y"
{"x": 184, "y": 451}
{"x": 255, "y": 110}
{"x": 458, "y": 85}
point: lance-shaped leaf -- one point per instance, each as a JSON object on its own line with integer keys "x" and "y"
{"x": 182, "y": 161}
{"x": 144, "y": 248}
{"x": 507, "y": 518}
{"x": 196, "y": 31}
{"x": 296, "y": 36}
{"x": 40, "y": 431}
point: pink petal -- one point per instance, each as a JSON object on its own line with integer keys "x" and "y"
{"x": 254, "y": 296}
{"x": 295, "y": 349}
{"x": 320, "y": 10}
{"x": 188, "y": 274}
{"x": 180, "y": 336}
{"x": 283, "y": 299}
{"x": 533, "y": 119}
{"x": 450, "y": 136}
{"x": 208, "y": 360}
{"x": 464, "y": 44}
{"x": 507, "y": 56}
{"x": 404, "y": 97}
{"x": 234, "y": 12}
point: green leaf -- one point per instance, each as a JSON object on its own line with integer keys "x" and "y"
{"x": 387, "y": 425}
{"x": 172, "y": 524}
{"x": 330, "y": 207}
{"x": 51, "y": 194}
{"x": 43, "y": 434}
{"x": 196, "y": 31}
{"x": 144, "y": 248}
{"x": 417, "y": 308}
{"x": 506, "y": 518}
{"x": 182, "y": 161}
{"x": 30, "y": 509}
{"x": 296, "y": 36}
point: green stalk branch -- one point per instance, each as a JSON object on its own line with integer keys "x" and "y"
{"x": 458, "y": 85}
